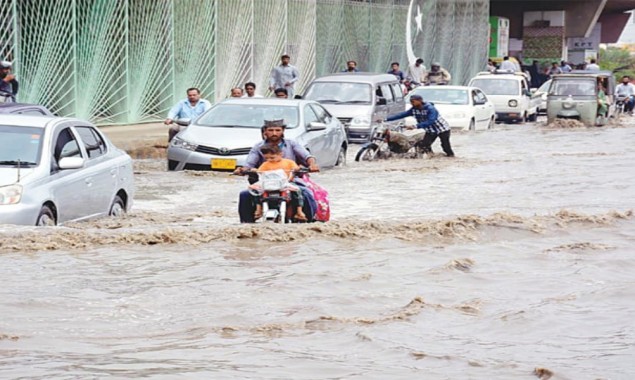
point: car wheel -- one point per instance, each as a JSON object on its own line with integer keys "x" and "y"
{"x": 491, "y": 123}
{"x": 367, "y": 153}
{"x": 46, "y": 218}
{"x": 118, "y": 208}
{"x": 472, "y": 126}
{"x": 341, "y": 157}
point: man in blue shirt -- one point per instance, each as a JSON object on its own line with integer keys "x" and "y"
{"x": 273, "y": 133}
{"x": 189, "y": 108}
{"x": 394, "y": 70}
{"x": 428, "y": 118}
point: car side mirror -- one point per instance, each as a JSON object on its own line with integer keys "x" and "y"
{"x": 183, "y": 122}
{"x": 381, "y": 101}
{"x": 533, "y": 90}
{"x": 528, "y": 93}
{"x": 316, "y": 126}
{"x": 69, "y": 163}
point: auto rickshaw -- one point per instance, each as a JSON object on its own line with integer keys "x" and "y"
{"x": 575, "y": 95}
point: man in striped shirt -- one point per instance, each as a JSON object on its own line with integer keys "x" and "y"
{"x": 428, "y": 118}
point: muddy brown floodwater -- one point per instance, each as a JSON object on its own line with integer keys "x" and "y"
{"x": 513, "y": 260}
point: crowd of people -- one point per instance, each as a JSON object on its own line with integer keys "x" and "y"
{"x": 540, "y": 74}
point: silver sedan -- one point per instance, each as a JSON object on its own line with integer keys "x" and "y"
{"x": 54, "y": 170}
{"x": 221, "y": 138}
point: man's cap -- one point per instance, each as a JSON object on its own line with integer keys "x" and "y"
{"x": 436, "y": 64}
{"x": 5, "y": 65}
{"x": 416, "y": 97}
{"x": 274, "y": 123}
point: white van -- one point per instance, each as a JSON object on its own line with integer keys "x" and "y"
{"x": 509, "y": 91}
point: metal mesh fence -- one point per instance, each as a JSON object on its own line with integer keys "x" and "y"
{"x": 128, "y": 61}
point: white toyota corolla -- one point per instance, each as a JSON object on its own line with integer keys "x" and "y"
{"x": 463, "y": 107}
{"x": 54, "y": 170}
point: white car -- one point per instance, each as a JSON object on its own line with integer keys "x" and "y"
{"x": 462, "y": 107}
{"x": 510, "y": 94}
{"x": 542, "y": 91}
{"x": 54, "y": 170}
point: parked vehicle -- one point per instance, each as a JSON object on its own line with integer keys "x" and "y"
{"x": 54, "y": 170}
{"x": 509, "y": 91}
{"x": 24, "y": 109}
{"x": 390, "y": 140}
{"x": 358, "y": 100}
{"x": 462, "y": 107}
{"x": 542, "y": 92}
{"x": 575, "y": 96}
{"x": 221, "y": 138}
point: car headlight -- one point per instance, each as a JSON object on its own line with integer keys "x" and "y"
{"x": 180, "y": 143}
{"x": 10, "y": 195}
{"x": 568, "y": 104}
{"x": 512, "y": 103}
{"x": 361, "y": 120}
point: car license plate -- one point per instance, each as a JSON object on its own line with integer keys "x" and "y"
{"x": 224, "y": 163}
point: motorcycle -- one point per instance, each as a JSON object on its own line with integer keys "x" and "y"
{"x": 6, "y": 97}
{"x": 620, "y": 104}
{"x": 388, "y": 141}
{"x": 273, "y": 188}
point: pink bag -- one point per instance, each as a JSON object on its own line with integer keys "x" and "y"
{"x": 323, "y": 212}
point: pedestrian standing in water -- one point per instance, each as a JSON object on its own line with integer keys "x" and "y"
{"x": 428, "y": 118}
{"x": 284, "y": 76}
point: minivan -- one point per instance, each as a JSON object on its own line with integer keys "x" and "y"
{"x": 358, "y": 100}
{"x": 510, "y": 93}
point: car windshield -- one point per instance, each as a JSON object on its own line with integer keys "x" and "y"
{"x": 497, "y": 86}
{"x": 440, "y": 95}
{"x": 248, "y": 115}
{"x": 21, "y": 144}
{"x": 340, "y": 93}
{"x": 573, "y": 87}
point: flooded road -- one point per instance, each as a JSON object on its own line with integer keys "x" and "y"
{"x": 513, "y": 260}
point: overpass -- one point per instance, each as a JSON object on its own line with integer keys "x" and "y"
{"x": 571, "y": 29}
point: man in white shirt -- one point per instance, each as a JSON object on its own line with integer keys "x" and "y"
{"x": 250, "y": 91}
{"x": 626, "y": 90}
{"x": 416, "y": 71}
{"x": 592, "y": 66}
{"x": 507, "y": 65}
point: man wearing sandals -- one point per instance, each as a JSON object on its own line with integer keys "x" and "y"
{"x": 273, "y": 133}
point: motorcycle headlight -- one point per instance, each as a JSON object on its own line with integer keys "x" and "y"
{"x": 361, "y": 120}
{"x": 10, "y": 195}
{"x": 512, "y": 103}
{"x": 180, "y": 143}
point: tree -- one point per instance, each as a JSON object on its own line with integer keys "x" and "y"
{"x": 618, "y": 60}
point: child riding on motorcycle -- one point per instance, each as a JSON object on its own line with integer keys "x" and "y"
{"x": 274, "y": 161}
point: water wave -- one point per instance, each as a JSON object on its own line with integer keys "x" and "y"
{"x": 132, "y": 232}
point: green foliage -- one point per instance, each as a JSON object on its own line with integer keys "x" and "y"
{"x": 619, "y": 60}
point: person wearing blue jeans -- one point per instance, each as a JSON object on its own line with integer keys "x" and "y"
{"x": 273, "y": 133}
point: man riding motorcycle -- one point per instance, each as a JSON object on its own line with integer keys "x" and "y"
{"x": 437, "y": 75}
{"x": 626, "y": 92}
{"x": 8, "y": 83}
{"x": 273, "y": 133}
